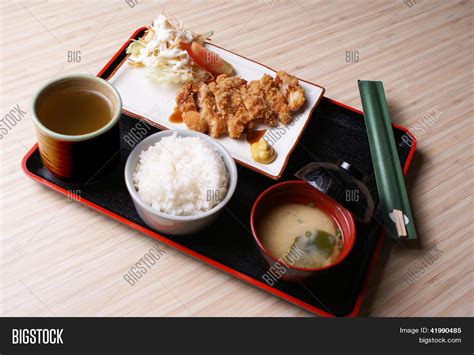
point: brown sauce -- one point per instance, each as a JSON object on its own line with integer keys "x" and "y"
{"x": 176, "y": 116}
{"x": 255, "y": 136}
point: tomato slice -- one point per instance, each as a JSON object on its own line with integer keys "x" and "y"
{"x": 207, "y": 59}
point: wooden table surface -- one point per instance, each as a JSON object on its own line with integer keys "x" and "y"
{"x": 59, "y": 258}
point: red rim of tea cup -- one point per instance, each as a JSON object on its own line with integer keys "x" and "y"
{"x": 344, "y": 221}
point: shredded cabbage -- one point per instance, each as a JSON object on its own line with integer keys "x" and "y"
{"x": 134, "y": 48}
{"x": 161, "y": 55}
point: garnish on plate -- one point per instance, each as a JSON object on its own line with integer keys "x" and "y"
{"x": 171, "y": 53}
{"x": 207, "y": 59}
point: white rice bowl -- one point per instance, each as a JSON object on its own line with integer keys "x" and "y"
{"x": 181, "y": 176}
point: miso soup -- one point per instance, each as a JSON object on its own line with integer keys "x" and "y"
{"x": 300, "y": 235}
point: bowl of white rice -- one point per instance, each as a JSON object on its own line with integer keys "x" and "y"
{"x": 180, "y": 180}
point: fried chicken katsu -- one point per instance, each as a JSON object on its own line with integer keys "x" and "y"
{"x": 227, "y": 91}
{"x": 276, "y": 102}
{"x": 291, "y": 89}
{"x": 187, "y": 103}
{"x": 215, "y": 120}
{"x": 230, "y": 105}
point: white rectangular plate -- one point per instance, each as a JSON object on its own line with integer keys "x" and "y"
{"x": 155, "y": 102}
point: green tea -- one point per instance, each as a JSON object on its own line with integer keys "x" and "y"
{"x": 74, "y": 111}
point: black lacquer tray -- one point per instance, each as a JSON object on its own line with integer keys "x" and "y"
{"x": 334, "y": 132}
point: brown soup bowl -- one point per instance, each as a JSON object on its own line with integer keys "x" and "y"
{"x": 299, "y": 192}
{"x": 78, "y": 158}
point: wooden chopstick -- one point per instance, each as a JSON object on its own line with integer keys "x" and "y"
{"x": 399, "y": 218}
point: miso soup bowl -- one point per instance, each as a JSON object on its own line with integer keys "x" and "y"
{"x": 300, "y": 192}
{"x": 171, "y": 224}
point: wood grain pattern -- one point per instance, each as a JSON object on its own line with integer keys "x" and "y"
{"x": 59, "y": 258}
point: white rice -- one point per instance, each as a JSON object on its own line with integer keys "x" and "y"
{"x": 181, "y": 176}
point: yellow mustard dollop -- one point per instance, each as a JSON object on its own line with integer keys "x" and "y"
{"x": 261, "y": 152}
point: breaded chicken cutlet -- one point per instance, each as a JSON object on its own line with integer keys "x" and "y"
{"x": 187, "y": 102}
{"x": 276, "y": 102}
{"x": 230, "y": 105}
{"x": 291, "y": 89}
{"x": 209, "y": 111}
